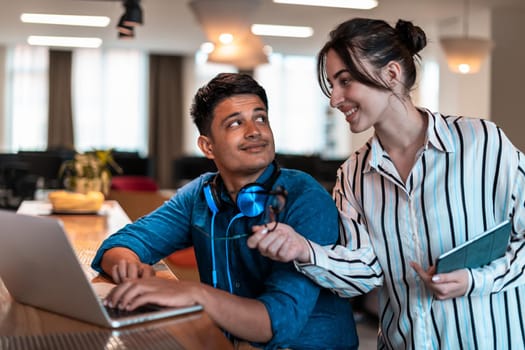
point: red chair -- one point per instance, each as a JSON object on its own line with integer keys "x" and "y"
{"x": 133, "y": 183}
{"x": 184, "y": 258}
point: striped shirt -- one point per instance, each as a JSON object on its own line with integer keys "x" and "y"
{"x": 467, "y": 178}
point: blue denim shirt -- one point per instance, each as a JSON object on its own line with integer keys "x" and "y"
{"x": 303, "y": 315}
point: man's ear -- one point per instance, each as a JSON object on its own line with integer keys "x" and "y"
{"x": 206, "y": 146}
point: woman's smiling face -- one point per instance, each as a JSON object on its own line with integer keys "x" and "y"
{"x": 362, "y": 106}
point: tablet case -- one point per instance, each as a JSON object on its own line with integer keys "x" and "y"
{"x": 478, "y": 251}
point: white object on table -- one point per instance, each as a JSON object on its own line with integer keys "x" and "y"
{"x": 116, "y": 217}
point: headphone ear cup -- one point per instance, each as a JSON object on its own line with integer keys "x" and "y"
{"x": 211, "y": 198}
{"x": 251, "y": 200}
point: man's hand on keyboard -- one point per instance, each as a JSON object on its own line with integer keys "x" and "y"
{"x": 126, "y": 270}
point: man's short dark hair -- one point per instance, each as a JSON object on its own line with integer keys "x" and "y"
{"x": 224, "y": 85}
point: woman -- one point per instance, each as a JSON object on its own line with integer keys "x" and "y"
{"x": 423, "y": 184}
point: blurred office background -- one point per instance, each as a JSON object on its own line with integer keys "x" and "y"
{"x": 133, "y": 93}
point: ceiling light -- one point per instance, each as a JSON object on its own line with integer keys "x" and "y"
{"x": 131, "y": 18}
{"x": 244, "y": 56}
{"x": 133, "y": 15}
{"x": 465, "y": 54}
{"x": 279, "y": 30}
{"x": 71, "y": 20}
{"x": 226, "y": 38}
{"x": 64, "y": 41}
{"x": 126, "y": 36}
{"x": 207, "y": 47}
{"x": 268, "y": 50}
{"x": 245, "y": 50}
{"x": 349, "y": 4}
{"x": 126, "y": 33}
{"x": 124, "y": 30}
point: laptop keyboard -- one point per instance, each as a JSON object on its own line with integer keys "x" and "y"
{"x": 117, "y": 313}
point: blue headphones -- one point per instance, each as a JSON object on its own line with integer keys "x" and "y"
{"x": 251, "y": 199}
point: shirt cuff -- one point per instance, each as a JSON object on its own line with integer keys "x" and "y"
{"x": 318, "y": 257}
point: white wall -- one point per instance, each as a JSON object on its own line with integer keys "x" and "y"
{"x": 190, "y": 88}
{"x": 3, "y": 131}
{"x": 466, "y": 94}
{"x": 508, "y": 73}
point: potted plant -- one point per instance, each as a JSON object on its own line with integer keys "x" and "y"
{"x": 89, "y": 171}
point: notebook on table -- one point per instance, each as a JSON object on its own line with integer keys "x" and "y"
{"x": 478, "y": 251}
{"x": 39, "y": 267}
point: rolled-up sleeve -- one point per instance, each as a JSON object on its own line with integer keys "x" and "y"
{"x": 156, "y": 235}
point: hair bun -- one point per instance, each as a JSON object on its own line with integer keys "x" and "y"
{"x": 412, "y": 36}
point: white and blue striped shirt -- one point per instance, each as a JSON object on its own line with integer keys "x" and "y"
{"x": 467, "y": 178}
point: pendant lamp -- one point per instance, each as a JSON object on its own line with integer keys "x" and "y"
{"x": 465, "y": 54}
{"x": 231, "y": 19}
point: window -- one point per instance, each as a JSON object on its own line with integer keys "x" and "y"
{"x": 297, "y": 108}
{"x": 296, "y": 105}
{"x": 199, "y": 73}
{"x": 27, "y": 91}
{"x": 429, "y": 85}
{"x": 109, "y": 99}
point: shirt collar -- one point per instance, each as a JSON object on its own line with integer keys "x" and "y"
{"x": 262, "y": 179}
{"x": 438, "y": 133}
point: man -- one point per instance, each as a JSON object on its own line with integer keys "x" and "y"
{"x": 249, "y": 296}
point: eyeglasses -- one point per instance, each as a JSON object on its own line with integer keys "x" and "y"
{"x": 275, "y": 204}
{"x": 278, "y": 201}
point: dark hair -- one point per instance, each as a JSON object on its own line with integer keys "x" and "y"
{"x": 224, "y": 85}
{"x": 376, "y": 42}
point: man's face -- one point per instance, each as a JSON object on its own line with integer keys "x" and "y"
{"x": 241, "y": 140}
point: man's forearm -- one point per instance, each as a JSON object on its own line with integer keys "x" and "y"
{"x": 243, "y": 317}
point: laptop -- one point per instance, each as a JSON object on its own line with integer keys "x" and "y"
{"x": 39, "y": 267}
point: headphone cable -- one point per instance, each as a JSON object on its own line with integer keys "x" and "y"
{"x": 212, "y": 242}
{"x": 226, "y": 242}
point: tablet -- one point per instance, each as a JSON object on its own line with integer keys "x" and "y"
{"x": 478, "y": 251}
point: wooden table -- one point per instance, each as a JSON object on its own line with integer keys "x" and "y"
{"x": 26, "y": 327}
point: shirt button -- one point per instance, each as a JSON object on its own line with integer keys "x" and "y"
{"x": 237, "y": 284}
